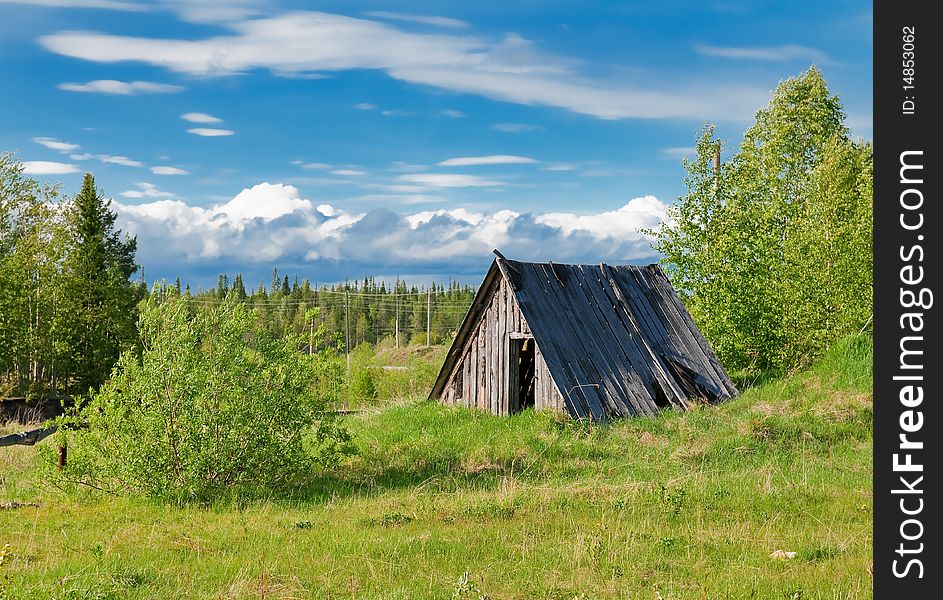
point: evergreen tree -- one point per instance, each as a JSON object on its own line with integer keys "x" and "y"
{"x": 102, "y": 299}
{"x": 238, "y": 287}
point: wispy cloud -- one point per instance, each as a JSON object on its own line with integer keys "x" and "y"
{"x": 198, "y": 117}
{"x": 365, "y": 106}
{"x": 512, "y": 69}
{"x": 54, "y": 144}
{"x": 315, "y": 166}
{"x": 560, "y": 167}
{"x": 210, "y": 132}
{"x": 494, "y": 159}
{"x": 146, "y": 190}
{"x": 349, "y": 172}
{"x": 448, "y": 180}
{"x": 451, "y": 113}
{"x": 516, "y": 127}
{"x": 768, "y": 53}
{"x": 166, "y": 170}
{"x": 104, "y": 4}
{"x": 46, "y": 167}
{"x": 122, "y": 88}
{"x": 423, "y": 19}
{"x": 108, "y": 159}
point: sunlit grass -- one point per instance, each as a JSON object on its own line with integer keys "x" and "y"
{"x": 532, "y": 506}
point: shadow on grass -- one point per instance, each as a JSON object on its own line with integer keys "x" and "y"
{"x": 746, "y": 379}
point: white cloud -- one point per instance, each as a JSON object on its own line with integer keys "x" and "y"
{"x": 451, "y": 113}
{"x": 494, "y": 159}
{"x": 769, "y": 53}
{"x": 146, "y": 190}
{"x": 54, "y": 144}
{"x": 272, "y": 222}
{"x": 516, "y": 127}
{"x": 108, "y": 159}
{"x": 423, "y": 19}
{"x": 104, "y": 4}
{"x": 208, "y": 132}
{"x": 348, "y": 172}
{"x": 448, "y": 180}
{"x": 560, "y": 167}
{"x": 165, "y": 170}
{"x": 198, "y": 117}
{"x": 512, "y": 69}
{"x": 365, "y": 106}
{"x": 646, "y": 211}
{"x": 316, "y": 166}
{"x": 119, "y": 160}
{"x": 123, "y": 88}
{"x": 45, "y": 167}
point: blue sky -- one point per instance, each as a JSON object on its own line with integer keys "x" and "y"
{"x": 398, "y": 138}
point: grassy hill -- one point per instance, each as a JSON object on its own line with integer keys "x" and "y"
{"x": 442, "y": 502}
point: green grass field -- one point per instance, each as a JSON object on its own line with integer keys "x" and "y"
{"x": 442, "y": 503}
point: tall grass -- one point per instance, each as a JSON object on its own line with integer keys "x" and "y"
{"x": 443, "y": 502}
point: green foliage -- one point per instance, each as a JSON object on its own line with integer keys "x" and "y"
{"x": 68, "y": 306}
{"x": 211, "y": 404}
{"x": 680, "y": 505}
{"x": 772, "y": 255}
{"x": 101, "y": 300}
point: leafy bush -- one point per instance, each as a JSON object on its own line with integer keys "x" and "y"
{"x": 210, "y": 404}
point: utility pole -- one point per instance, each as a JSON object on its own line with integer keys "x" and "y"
{"x": 396, "y": 303}
{"x": 428, "y": 317}
{"x": 347, "y": 324}
{"x": 716, "y": 167}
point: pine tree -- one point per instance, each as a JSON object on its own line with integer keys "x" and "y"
{"x": 102, "y": 303}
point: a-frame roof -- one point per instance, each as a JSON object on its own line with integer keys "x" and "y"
{"x": 616, "y": 339}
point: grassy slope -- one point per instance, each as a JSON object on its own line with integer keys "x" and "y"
{"x": 680, "y": 506}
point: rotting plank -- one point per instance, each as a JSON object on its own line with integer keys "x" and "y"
{"x": 540, "y": 326}
{"x": 631, "y": 379}
{"x": 585, "y": 377}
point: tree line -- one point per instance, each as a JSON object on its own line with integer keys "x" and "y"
{"x": 366, "y": 310}
{"x": 70, "y": 291}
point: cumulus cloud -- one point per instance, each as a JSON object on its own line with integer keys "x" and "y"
{"x": 198, "y": 117}
{"x": 122, "y": 88}
{"x": 165, "y": 170}
{"x": 511, "y": 69}
{"x": 494, "y": 159}
{"x": 272, "y": 222}
{"x": 46, "y": 167}
{"x": 210, "y": 132}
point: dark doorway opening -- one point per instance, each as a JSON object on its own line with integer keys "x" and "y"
{"x": 523, "y": 357}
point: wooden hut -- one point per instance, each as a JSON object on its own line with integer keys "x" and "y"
{"x": 594, "y": 341}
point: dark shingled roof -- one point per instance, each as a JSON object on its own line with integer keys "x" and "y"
{"x": 617, "y": 339}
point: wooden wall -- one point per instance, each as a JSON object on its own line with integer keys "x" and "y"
{"x": 481, "y": 378}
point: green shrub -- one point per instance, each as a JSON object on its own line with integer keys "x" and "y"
{"x": 211, "y": 404}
